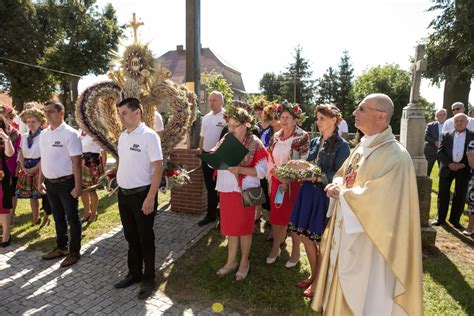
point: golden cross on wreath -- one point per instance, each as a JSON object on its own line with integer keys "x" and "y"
{"x": 134, "y": 24}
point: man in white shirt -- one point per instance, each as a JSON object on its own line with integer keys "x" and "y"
{"x": 343, "y": 129}
{"x": 159, "y": 126}
{"x": 60, "y": 172}
{"x": 457, "y": 107}
{"x": 453, "y": 166}
{"x": 140, "y": 166}
{"x": 211, "y": 128}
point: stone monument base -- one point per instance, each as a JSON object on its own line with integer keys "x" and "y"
{"x": 189, "y": 198}
{"x": 428, "y": 233}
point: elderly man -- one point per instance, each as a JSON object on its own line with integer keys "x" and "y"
{"x": 211, "y": 129}
{"x": 457, "y": 107}
{"x": 371, "y": 249}
{"x": 454, "y": 166}
{"x": 433, "y": 134}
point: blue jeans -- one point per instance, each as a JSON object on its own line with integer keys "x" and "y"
{"x": 65, "y": 210}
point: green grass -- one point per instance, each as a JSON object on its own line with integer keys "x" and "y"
{"x": 44, "y": 239}
{"x": 270, "y": 289}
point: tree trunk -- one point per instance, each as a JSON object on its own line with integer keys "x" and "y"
{"x": 73, "y": 95}
{"x": 456, "y": 90}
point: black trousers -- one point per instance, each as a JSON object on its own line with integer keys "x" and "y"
{"x": 208, "y": 174}
{"x": 138, "y": 231}
{"x": 431, "y": 162}
{"x": 65, "y": 212}
{"x": 460, "y": 190}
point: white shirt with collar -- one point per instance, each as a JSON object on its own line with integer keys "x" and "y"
{"x": 440, "y": 130}
{"x": 449, "y": 124}
{"x": 34, "y": 151}
{"x": 57, "y": 146}
{"x": 211, "y": 129}
{"x": 458, "y": 145}
{"x": 89, "y": 145}
{"x": 137, "y": 150}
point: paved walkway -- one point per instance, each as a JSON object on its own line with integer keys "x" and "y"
{"x": 29, "y": 285}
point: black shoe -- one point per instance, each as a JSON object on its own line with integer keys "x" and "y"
{"x": 6, "y": 243}
{"x": 205, "y": 221}
{"x": 146, "y": 289}
{"x": 129, "y": 280}
{"x": 438, "y": 223}
{"x": 457, "y": 226}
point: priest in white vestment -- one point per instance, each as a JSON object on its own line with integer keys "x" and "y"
{"x": 371, "y": 250}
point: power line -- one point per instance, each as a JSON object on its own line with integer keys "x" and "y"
{"x": 40, "y": 67}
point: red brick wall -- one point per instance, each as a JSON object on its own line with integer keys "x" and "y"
{"x": 189, "y": 198}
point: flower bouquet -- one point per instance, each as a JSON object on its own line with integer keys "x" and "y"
{"x": 297, "y": 170}
{"x": 175, "y": 176}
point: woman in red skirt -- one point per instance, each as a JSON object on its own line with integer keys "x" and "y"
{"x": 290, "y": 142}
{"x": 236, "y": 220}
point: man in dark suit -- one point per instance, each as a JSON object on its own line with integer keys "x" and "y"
{"x": 432, "y": 137}
{"x": 453, "y": 166}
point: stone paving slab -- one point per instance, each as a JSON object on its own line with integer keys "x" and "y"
{"x": 31, "y": 286}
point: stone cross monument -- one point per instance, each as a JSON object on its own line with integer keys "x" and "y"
{"x": 412, "y": 133}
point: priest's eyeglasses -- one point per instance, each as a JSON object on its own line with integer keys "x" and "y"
{"x": 363, "y": 108}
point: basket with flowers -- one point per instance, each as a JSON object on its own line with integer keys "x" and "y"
{"x": 297, "y": 170}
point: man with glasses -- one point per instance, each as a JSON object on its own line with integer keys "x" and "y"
{"x": 433, "y": 135}
{"x": 457, "y": 107}
{"x": 372, "y": 262}
{"x": 60, "y": 171}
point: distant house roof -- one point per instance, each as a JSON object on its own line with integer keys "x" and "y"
{"x": 175, "y": 61}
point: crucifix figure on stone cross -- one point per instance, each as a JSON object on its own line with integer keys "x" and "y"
{"x": 417, "y": 68}
{"x": 134, "y": 24}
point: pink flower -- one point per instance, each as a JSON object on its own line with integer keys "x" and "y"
{"x": 278, "y": 107}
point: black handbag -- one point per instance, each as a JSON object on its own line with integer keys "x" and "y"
{"x": 253, "y": 196}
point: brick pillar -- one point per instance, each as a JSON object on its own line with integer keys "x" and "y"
{"x": 189, "y": 198}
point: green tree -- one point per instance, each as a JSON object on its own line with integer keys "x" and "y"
{"x": 89, "y": 39}
{"x": 327, "y": 87}
{"x": 450, "y": 49}
{"x": 297, "y": 85}
{"x": 25, "y": 37}
{"x": 345, "y": 77}
{"x": 270, "y": 84}
{"x": 388, "y": 79}
{"x": 217, "y": 82}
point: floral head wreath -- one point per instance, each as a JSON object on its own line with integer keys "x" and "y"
{"x": 237, "y": 113}
{"x": 260, "y": 104}
{"x": 33, "y": 112}
{"x": 270, "y": 112}
{"x": 293, "y": 109}
{"x": 329, "y": 110}
{"x": 242, "y": 105}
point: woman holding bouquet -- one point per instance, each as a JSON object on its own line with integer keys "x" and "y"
{"x": 329, "y": 151}
{"x": 290, "y": 142}
{"x": 236, "y": 220}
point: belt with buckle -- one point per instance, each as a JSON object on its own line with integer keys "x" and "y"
{"x": 62, "y": 179}
{"x": 134, "y": 190}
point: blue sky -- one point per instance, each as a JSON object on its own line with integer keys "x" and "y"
{"x": 260, "y": 36}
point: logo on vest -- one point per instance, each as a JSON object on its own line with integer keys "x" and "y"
{"x": 136, "y": 148}
{"x": 57, "y": 144}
